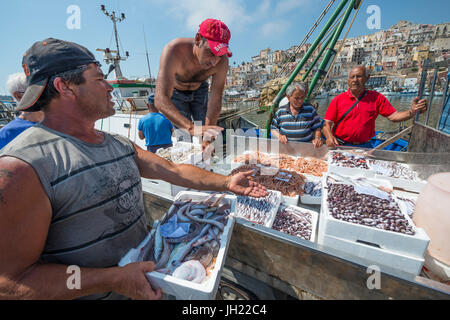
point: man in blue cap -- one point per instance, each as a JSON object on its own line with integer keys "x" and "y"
{"x": 155, "y": 128}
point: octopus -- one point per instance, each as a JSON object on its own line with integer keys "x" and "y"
{"x": 289, "y": 183}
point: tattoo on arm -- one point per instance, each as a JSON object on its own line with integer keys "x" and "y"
{"x": 4, "y": 174}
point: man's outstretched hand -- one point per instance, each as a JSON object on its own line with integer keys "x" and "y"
{"x": 241, "y": 184}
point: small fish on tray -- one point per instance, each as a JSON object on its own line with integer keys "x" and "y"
{"x": 186, "y": 243}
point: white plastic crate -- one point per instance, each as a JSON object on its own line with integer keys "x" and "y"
{"x": 410, "y": 245}
{"x": 183, "y": 289}
{"x": 409, "y": 185}
{"x": 314, "y": 219}
{"x": 270, "y": 215}
{"x": 373, "y": 255}
{"x": 193, "y": 158}
{"x": 292, "y": 201}
{"x": 161, "y": 187}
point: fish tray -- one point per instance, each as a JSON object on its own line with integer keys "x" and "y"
{"x": 193, "y": 158}
{"x": 183, "y": 289}
{"x": 402, "y": 183}
{"x": 270, "y": 215}
{"x": 409, "y": 245}
{"x": 374, "y": 256}
{"x": 314, "y": 221}
{"x": 348, "y": 171}
{"x": 288, "y": 200}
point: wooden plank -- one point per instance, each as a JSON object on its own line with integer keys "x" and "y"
{"x": 321, "y": 274}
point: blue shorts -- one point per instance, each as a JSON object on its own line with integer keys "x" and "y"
{"x": 155, "y": 148}
{"x": 192, "y": 104}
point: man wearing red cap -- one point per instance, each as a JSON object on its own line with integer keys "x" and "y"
{"x": 182, "y": 87}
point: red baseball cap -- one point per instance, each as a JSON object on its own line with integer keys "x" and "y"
{"x": 218, "y": 36}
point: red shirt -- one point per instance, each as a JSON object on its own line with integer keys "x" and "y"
{"x": 359, "y": 125}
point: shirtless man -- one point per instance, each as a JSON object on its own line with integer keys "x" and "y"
{"x": 182, "y": 89}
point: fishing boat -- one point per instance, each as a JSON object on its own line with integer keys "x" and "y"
{"x": 128, "y": 94}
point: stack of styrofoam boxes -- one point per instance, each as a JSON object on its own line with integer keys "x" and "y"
{"x": 162, "y": 187}
{"x": 314, "y": 219}
{"x": 410, "y": 185}
{"x": 387, "y": 248}
{"x": 183, "y": 289}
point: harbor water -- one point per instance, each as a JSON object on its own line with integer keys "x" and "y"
{"x": 400, "y": 103}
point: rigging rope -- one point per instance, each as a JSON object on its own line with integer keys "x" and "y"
{"x": 340, "y": 48}
{"x": 314, "y": 27}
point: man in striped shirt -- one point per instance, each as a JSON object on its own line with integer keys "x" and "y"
{"x": 297, "y": 121}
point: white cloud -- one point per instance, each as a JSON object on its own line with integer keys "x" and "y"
{"x": 193, "y": 12}
{"x": 274, "y": 28}
{"x": 237, "y": 14}
{"x": 285, "y": 6}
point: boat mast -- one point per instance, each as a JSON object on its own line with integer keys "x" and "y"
{"x": 108, "y": 53}
{"x": 146, "y": 53}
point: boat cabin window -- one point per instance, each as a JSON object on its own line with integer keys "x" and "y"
{"x": 143, "y": 93}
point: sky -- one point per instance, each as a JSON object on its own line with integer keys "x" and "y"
{"x": 254, "y": 25}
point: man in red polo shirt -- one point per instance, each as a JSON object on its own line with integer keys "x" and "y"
{"x": 358, "y": 127}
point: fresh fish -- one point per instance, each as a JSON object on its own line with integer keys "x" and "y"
{"x": 176, "y": 259}
{"x": 181, "y": 212}
{"x": 146, "y": 252}
{"x": 212, "y": 222}
{"x": 162, "y": 262}
{"x": 208, "y": 200}
{"x": 158, "y": 243}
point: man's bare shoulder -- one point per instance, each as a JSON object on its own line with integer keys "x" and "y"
{"x": 14, "y": 171}
{"x": 179, "y": 46}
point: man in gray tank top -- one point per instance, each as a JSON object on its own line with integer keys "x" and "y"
{"x": 71, "y": 196}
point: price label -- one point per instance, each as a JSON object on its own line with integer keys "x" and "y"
{"x": 283, "y": 176}
{"x": 372, "y": 191}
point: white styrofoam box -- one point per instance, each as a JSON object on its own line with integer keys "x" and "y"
{"x": 332, "y": 167}
{"x": 293, "y": 201}
{"x": 374, "y": 255}
{"x": 405, "y": 184}
{"x": 183, "y": 289}
{"x": 402, "y": 196}
{"x": 161, "y": 187}
{"x": 193, "y": 158}
{"x": 411, "y": 245}
{"x": 270, "y": 215}
{"x": 314, "y": 219}
{"x": 308, "y": 199}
